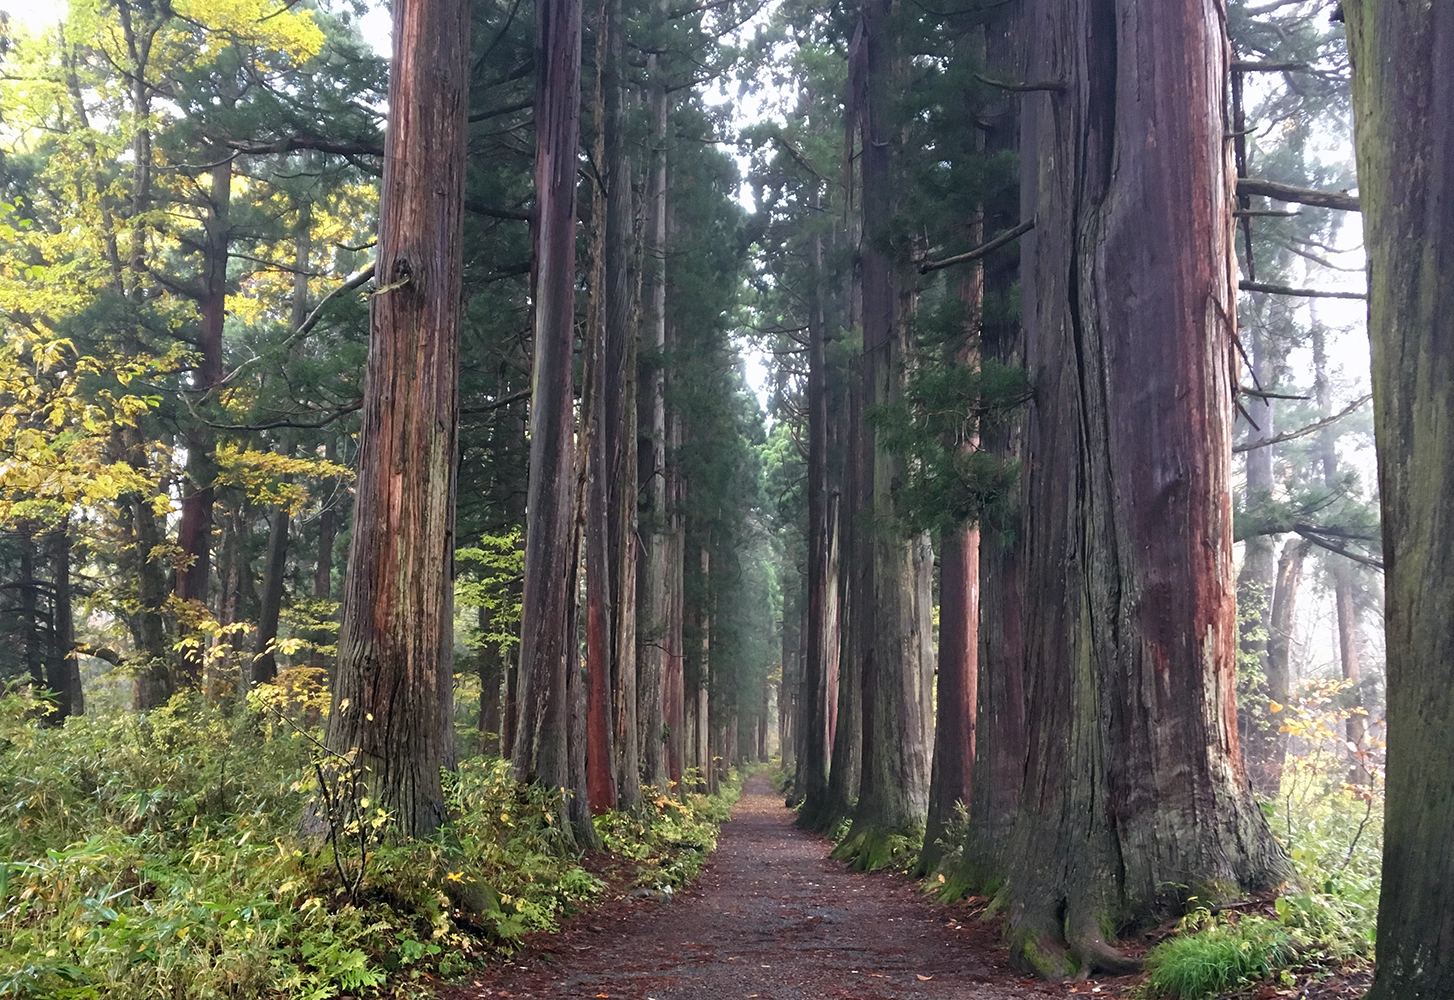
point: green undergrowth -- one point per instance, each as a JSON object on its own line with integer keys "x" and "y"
{"x": 871, "y": 848}
{"x": 1333, "y": 840}
{"x": 158, "y": 855}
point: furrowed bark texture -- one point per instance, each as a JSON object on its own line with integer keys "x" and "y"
{"x": 1403, "y": 105}
{"x": 1135, "y": 795}
{"x": 621, "y": 362}
{"x": 540, "y": 752}
{"x": 394, "y": 695}
{"x": 893, "y": 788}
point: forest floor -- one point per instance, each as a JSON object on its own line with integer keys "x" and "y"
{"x": 772, "y": 916}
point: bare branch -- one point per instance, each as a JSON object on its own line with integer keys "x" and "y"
{"x": 1341, "y": 200}
{"x": 979, "y": 251}
{"x": 1306, "y": 293}
{"x": 1311, "y": 428}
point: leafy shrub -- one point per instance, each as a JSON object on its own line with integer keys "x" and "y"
{"x": 159, "y": 855}
{"x": 1221, "y": 957}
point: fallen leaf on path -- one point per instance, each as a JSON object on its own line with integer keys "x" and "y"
{"x": 925, "y": 979}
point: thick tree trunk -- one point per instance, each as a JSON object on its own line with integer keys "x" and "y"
{"x": 1403, "y": 93}
{"x": 1135, "y": 792}
{"x": 393, "y": 700}
{"x": 893, "y": 787}
{"x": 541, "y": 750}
{"x": 847, "y": 764}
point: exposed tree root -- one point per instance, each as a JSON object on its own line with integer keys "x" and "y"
{"x": 1063, "y": 948}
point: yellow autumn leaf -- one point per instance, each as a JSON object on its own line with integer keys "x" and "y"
{"x": 1274, "y": 707}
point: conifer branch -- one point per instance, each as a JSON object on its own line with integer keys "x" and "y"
{"x": 979, "y": 251}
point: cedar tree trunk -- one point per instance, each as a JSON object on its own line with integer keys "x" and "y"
{"x": 1403, "y": 107}
{"x": 1135, "y": 797}
{"x": 393, "y": 700}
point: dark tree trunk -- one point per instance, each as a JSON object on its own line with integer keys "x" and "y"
{"x": 194, "y": 536}
{"x": 821, "y": 636}
{"x": 63, "y": 671}
{"x": 674, "y": 680}
{"x": 547, "y": 647}
{"x": 1403, "y": 90}
{"x": 323, "y": 562}
{"x": 600, "y": 571}
{"x": 30, "y": 651}
{"x": 264, "y": 657}
{"x": 393, "y": 700}
{"x": 847, "y": 764}
{"x": 490, "y": 666}
{"x": 620, "y": 415}
{"x": 893, "y": 787}
{"x": 1135, "y": 792}
{"x": 153, "y": 681}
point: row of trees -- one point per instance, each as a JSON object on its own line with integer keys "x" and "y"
{"x": 191, "y": 282}
{"x": 1090, "y": 714}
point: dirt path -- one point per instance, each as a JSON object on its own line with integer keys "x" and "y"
{"x": 772, "y": 917}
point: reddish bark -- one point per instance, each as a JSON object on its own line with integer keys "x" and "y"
{"x": 393, "y": 700}
{"x": 1134, "y": 783}
{"x": 547, "y": 645}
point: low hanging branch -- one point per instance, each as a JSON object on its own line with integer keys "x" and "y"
{"x": 1253, "y": 66}
{"x": 979, "y": 251}
{"x": 1305, "y": 293}
{"x": 1053, "y": 86}
{"x": 1319, "y": 539}
{"x": 1302, "y": 431}
{"x": 1248, "y": 187}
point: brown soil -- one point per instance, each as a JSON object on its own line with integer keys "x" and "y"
{"x": 773, "y": 917}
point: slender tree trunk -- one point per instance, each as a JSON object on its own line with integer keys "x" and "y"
{"x": 194, "y": 536}
{"x": 820, "y": 638}
{"x": 63, "y": 670}
{"x": 264, "y": 667}
{"x": 1280, "y": 629}
{"x": 620, "y": 414}
{"x": 547, "y": 646}
{"x": 1135, "y": 792}
{"x": 674, "y": 681}
{"x": 323, "y": 563}
{"x": 654, "y": 593}
{"x": 393, "y": 701}
{"x": 490, "y": 666}
{"x": 847, "y": 764}
{"x": 1262, "y": 744}
{"x": 1403, "y": 90}
{"x": 1344, "y": 586}
{"x": 30, "y": 652}
{"x": 951, "y": 774}
{"x": 599, "y": 468}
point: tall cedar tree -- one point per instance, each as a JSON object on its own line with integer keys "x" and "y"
{"x": 1403, "y": 100}
{"x": 546, "y": 641}
{"x": 893, "y": 787}
{"x": 393, "y": 701}
{"x": 1135, "y": 792}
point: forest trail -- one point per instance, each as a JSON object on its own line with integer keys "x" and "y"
{"x": 771, "y": 917}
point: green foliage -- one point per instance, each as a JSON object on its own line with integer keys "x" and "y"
{"x": 935, "y": 425}
{"x": 159, "y": 855}
{"x": 668, "y": 838}
{"x": 1221, "y": 957}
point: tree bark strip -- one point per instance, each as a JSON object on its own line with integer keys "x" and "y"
{"x": 1403, "y": 93}
{"x": 393, "y": 701}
